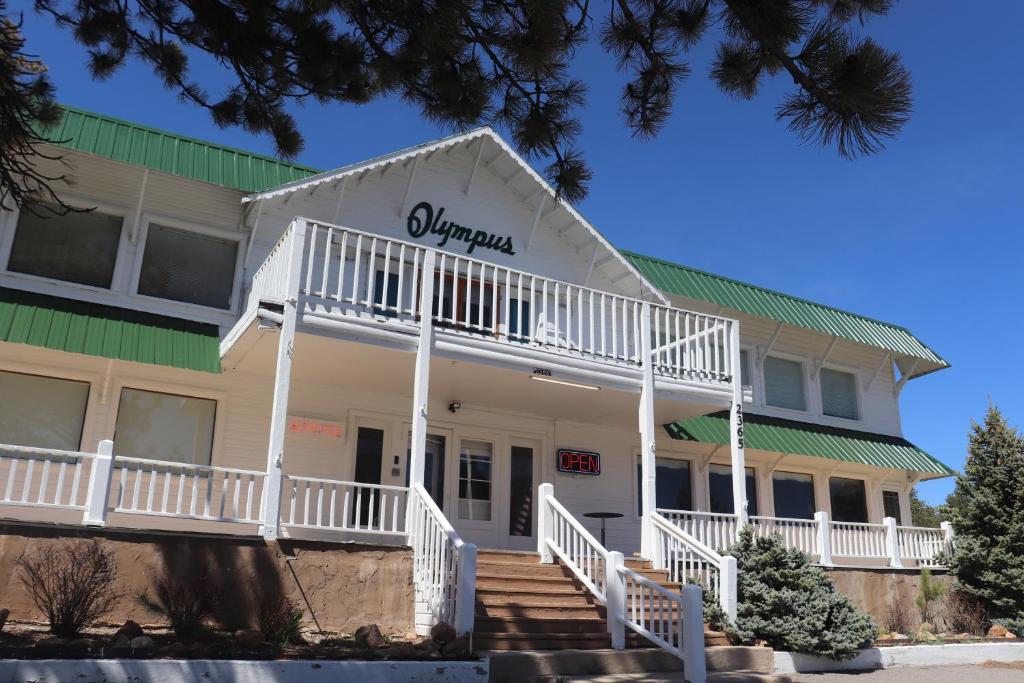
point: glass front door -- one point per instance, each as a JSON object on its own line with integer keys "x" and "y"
{"x": 434, "y": 457}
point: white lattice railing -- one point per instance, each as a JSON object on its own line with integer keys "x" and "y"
{"x": 671, "y": 620}
{"x": 687, "y": 560}
{"x": 270, "y": 281}
{"x": 922, "y": 544}
{"x": 44, "y": 477}
{"x": 801, "y": 534}
{"x": 859, "y": 540}
{"x": 444, "y": 567}
{"x": 344, "y": 506}
{"x": 691, "y": 345}
{"x": 169, "y": 489}
{"x": 716, "y": 530}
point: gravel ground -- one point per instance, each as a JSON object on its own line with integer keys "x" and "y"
{"x": 989, "y": 673}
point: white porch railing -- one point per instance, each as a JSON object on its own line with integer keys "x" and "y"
{"x": 444, "y": 567}
{"x": 715, "y": 530}
{"x": 852, "y": 539}
{"x": 923, "y": 544}
{"x": 801, "y": 534}
{"x": 673, "y": 621}
{"x": 688, "y": 560}
{"x": 359, "y": 277}
{"x": 343, "y": 506}
{"x": 43, "y": 477}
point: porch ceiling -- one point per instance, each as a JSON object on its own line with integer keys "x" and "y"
{"x": 802, "y": 438}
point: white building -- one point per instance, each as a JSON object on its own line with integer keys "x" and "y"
{"x": 266, "y": 345}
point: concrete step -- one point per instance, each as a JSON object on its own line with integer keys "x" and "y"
{"x": 501, "y": 624}
{"x": 541, "y": 641}
{"x": 677, "y": 677}
{"x": 740, "y": 658}
{"x": 526, "y": 667}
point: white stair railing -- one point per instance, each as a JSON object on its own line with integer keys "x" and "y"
{"x": 716, "y": 530}
{"x": 673, "y": 621}
{"x": 688, "y": 560}
{"x": 444, "y": 567}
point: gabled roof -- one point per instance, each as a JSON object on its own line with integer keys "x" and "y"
{"x": 777, "y": 435}
{"x": 131, "y": 143}
{"x": 466, "y": 138}
{"x": 766, "y": 303}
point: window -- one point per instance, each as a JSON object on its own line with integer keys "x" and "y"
{"x": 475, "y": 458}
{"x": 839, "y": 394}
{"x": 43, "y": 412}
{"x": 891, "y": 505}
{"x": 794, "y": 495}
{"x": 75, "y": 247}
{"x": 520, "y": 500}
{"x": 745, "y": 368}
{"x": 784, "y": 384}
{"x": 188, "y": 266}
{"x": 673, "y": 490}
{"x": 167, "y": 427}
{"x": 720, "y": 488}
{"x": 849, "y": 502}
{"x": 380, "y": 306}
{"x": 369, "y": 457}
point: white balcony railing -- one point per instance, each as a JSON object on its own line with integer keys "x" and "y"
{"x": 44, "y": 477}
{"x": 851, "y": 539}
{"x": 359, "y": 277}
{"x": 716, "y": 530}
{"x": 344, "y": 506}
{"x": 801, "y": 534}
{"x": 924, "y": 545}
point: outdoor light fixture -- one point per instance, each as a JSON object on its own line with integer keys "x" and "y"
{"x": 454, "y": 406}
{"x": 551, "y": 380}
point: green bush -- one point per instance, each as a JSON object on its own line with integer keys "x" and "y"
{"x": 793, "y": 605}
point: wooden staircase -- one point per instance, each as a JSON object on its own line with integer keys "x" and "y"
{"x": 522, "y": 604}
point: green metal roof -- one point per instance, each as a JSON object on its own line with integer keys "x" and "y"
{"x": 160, "y": 150}
{"x": 802, "y": 438}
{"x": 765, "y": 303}
{"x": 95, "y": 330}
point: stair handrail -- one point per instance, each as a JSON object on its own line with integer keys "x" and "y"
{"x": 715, "y": 572}
{"x": 444, "y": 566}
{"x": 679, "y": 627}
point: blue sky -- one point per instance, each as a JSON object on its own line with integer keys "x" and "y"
{"x": 928, "y": 234}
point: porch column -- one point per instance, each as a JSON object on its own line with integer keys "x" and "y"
{"x": 739, "y": 472}
{"x": 282, "y": 385}
{"x": 421, "y": 380}
{"x": 648, "y": 487}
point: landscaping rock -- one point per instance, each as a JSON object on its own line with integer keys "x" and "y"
{"x": 142, "y": 644}
{"x": 442, "y": 633}
{"x": 403, "y": 651}
{"x": 122, "y": 642}
{"x": 997, "y": 631}
{"x": 129, "y": 630}
{"x": 249, "y": 638}
{"x": 370, "y": 637}
{"x": 1010, "y": 635}
{"x": 428, "y": 646}
{"x": 4, "y": 613}
{"x": 456, "y": 648}
{"x": 82, "y": 644}
{"x": 897, "y": 636}
{"x": 926, "y": 628}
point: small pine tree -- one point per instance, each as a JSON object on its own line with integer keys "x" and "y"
{"x": 793, "y": 605}
{"x": 987, "y": 512}
{"x": 929, "y": 591}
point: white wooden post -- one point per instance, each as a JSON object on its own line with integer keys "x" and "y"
{"x": 282, "y": 385}
{"x": 892, "y": 542}
{"x": 98, "y": 494}
{"x": 947, "y": 530}
{"x": 465, "y": 596}
{"x": 545, "y": 523}
{"x": 648, "y": 468}
{"x": 736, "y": 440}
{"x": 727, "y": 590}
{"x": 615, "y": 596}
{"x": 824, "y": 538}
{"x": 421, "y": 379}
{"x": 694, "y": 666}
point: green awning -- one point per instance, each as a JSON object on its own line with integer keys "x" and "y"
{"x": 698, "y": 285}
{"x": 106, "y": 331}
{"x": 802, "y": 438}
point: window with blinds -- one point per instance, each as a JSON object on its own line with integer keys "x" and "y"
{"x": 76, "y": 247}
{"x": 42, "y": 412}
{"x": 188, "y": 266}
{"x": 839, "y": 394}
{"x": 784, "y": 384}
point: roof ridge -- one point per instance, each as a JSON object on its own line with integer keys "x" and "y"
{"x": 764, "y": 289}
{"x": 187, "y": 138}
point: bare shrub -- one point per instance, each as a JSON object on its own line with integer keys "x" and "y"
{"x": 897, "y": 618}
{"x": 71, "y": 582}
{"x": 185, "y": 601}
{"x": 964, "y": 613}
{"x": 280, "y": 620}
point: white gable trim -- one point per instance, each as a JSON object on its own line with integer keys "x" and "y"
{"x": 427, "y": 149}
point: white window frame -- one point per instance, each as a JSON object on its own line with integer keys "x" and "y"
{"x": 815, "y": 476}
{"x": 865, "y": 481}
{"x": 748, "y": 465}
{"x": 858, "y": 392}
{"x": 499, "y": 503}
{"x": 694, "y": 489}
{"x": 891, "y": 488}
{"x": 187, "y": 391}
{"x": 809, "y": 408}
{"x": 53, "y": 286}
{"x": 220, "y": 233}
{"x": 91, "y": 403}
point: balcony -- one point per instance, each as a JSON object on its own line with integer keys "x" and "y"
{"x": 368, "y": 288}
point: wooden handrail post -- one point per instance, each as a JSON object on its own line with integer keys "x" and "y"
{"x": 465, "y": 592}
{"x": 728, "y": 596}
{"x": 98, "y": 493}
{"x": 694, "y": 664}
{"x": 615, "y": 596}
{"x": 824, "y": 528}
{"x": 545, "y": 523}
{"x": 892, "y": 542}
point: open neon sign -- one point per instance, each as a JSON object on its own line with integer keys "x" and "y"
{"x": 578, "y": 462}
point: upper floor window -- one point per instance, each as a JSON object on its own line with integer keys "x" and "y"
{"x": 784, "y": 384}
{"x": 745, "y": 368}
{"x": 76, "y": 247}
{"x": 891, "y": 505}
{"x": 839, "y": 394}
{"x": 187, "y": 266}
{"x": 42, "y": 412}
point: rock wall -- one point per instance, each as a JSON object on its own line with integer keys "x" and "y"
{"x": 876, "y": 590}
{"x": 339, "y": 586}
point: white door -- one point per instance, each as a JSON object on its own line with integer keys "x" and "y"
{"x": 435, "y": 466}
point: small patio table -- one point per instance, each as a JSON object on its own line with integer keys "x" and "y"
{"x": 603, "y": 516}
